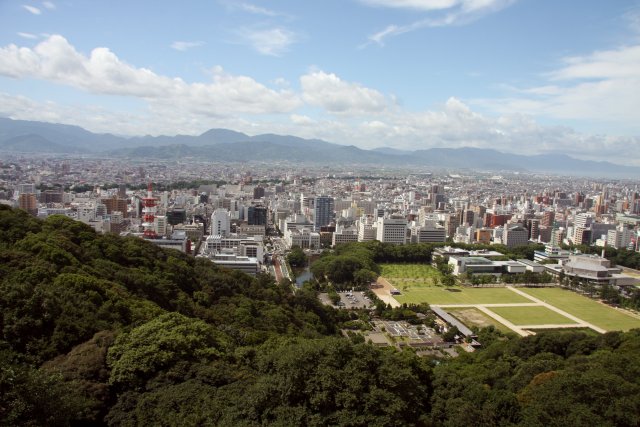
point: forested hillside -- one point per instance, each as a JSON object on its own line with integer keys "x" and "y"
{"x": 107, "y": 330}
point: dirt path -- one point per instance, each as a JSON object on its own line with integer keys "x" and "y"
{"x": 383, "y": 291}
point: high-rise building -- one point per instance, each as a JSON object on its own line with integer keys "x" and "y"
{"x": 220, "y": 223}
{"x": 547, "y": 218}
{"x": 323, "y": 211}
{"x": 52, "y": 196}
{"x": 620, "y": 237}
{"x": 366, "y": 229}
{"x": 557, "y": 236}
{"x": 258, "y": 192}
{"x": 516, "y": 235}
{"x": 28, "y": 202}
{"x": 256, "y": 215}
{"x": 115, "y": 204}
{"x": 581, "y": 229}
{"x": 534, "y": 227}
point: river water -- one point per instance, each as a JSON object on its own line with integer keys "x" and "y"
{"x": 303, "y": 277}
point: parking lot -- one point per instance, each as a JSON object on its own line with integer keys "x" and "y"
{"x": 348, "y": 300}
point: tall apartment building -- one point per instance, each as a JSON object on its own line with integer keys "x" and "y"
{"x": 115, "y": 204}
{"x": 534, "y": 227}
{"x": 28, "y": 202}
{"x": 392, "y": 230}
{"x": 557, "y": 236}
{"x": 581, "y": 229}
{"x": 547, "y": 218}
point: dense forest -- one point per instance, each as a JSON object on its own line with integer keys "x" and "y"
{"x": 103, "y": 330}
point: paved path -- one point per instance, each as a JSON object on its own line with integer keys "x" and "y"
{"x": 384, "y": 293}
{"x": 557, "y": 310}
{"x": 514, "y": 304}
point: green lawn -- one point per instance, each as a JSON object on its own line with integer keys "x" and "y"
{"x": 440, "y": 295}
{"x": 409, "y": 271}
{"x": 531, "y": 315}
{"x": 585, "y": 308}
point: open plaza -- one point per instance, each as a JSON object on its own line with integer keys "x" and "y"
{"x": 522, "y": 310}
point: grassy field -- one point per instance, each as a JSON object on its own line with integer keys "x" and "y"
{"x": 586, "y": 309}
{"x": 471, "y": 316}
{"x": 418, "y": 284}
{"x": 531, "y": 315}
{"x": 459, "y": 295}
{"x": 410, "y": 271}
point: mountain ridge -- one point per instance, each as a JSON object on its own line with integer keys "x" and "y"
{"x": 233, "y": 146}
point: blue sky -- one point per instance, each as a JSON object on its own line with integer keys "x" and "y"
{"x": 524, "y": 76}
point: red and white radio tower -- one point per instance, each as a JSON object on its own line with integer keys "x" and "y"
{"x": 149, "y": 214}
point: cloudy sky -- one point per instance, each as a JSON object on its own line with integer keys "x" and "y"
{"x": 523, "y": 76}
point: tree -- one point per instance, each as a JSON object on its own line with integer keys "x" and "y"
{"x": 450, "y": 335}
{"x": 297, "y": 257}
{"x": 364, "y": 277}
{"x": 448, "y": 280}
{"x": 138, "y": 355}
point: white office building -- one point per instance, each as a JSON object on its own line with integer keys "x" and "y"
{"x": 220, "y": 222}
{"x": 392, "y": 230}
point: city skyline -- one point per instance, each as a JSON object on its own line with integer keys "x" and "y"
{"x": 518, "y": 76}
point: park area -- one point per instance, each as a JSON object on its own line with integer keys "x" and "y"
{"x": 511, "y": 308}
{"x": 585, "y": 308}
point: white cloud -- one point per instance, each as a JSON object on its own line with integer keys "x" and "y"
{"x": 272, "y": 41}
{"x": 602, "y": 87}
{"x": 251, "y": 8}
{"x": 346, "y": 112}
{"x": 27, "y": 35}
{"x": 338, "y": 96}
{"x": 414, "y": 4}
{"x": 102, "y": 72}
{"x": 449, "y": 12}
{"x": 32, "y": 9}
{"x": 49, "y": 5}
{"x": 299, "y": 119}
{"x": 182, "y": 46}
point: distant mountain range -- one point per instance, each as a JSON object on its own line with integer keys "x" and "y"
{"x": 227, "y": 145}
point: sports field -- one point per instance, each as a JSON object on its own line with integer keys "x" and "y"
{"x": 586, "y": 309}
{"x": 531, "y": 316}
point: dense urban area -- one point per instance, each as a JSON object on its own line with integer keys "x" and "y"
{"x": 259, "y": 293}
